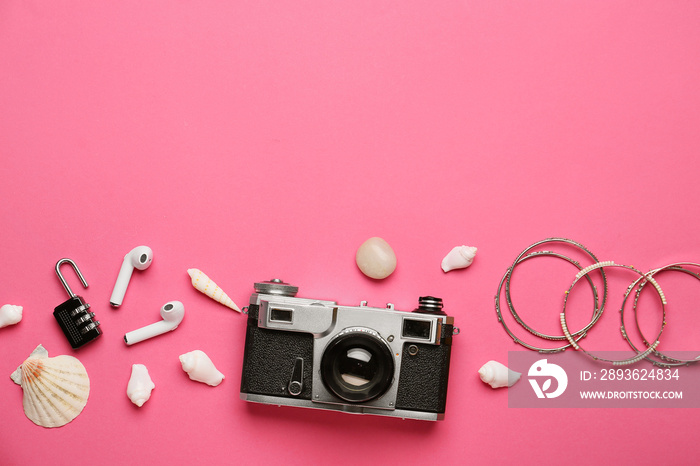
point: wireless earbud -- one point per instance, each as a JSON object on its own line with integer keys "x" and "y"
{"x": 172, "y": 313}
{"x": 138, "y": 258}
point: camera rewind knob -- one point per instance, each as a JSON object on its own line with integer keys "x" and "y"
{"x": 429, "y": 305}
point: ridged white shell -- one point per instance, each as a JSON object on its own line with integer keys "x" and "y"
{"x": 205, "y": 284}
{"x": 497, "y": 375}
{"x": 55, "y": 389}
{"x": 140, "y": 385}
{"x": 200, "y": 368}
{"x": 458, "y": 258}
{"x": 10, "y": 315}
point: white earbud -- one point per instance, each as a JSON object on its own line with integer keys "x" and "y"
{"x": 138, "y": 258}
{"x": 172, "y": 313}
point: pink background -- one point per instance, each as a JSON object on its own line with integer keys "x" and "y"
{"x": 257, "y": 139}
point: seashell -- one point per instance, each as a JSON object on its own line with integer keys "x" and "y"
{"x": 458, "y": 258}
{"x": 204, "y": 284}
{"x": 497, "y": 375}
{"x": 10, "y": 315}
{"x": 140, "y": 385}
{"x": 375, "y": 258}
{"x": 55, "y": 389}
{"x": 200, "y": 368}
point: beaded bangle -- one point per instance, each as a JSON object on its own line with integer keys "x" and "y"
{"x": 665, "y": 360}
{"x": 640, "y": 355}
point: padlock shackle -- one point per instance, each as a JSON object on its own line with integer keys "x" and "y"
{"x": 63, "y": 280}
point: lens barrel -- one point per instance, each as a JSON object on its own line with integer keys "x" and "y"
{"x": 357, "y": 365}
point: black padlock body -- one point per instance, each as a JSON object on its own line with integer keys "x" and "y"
{"x": 78, "y": 332}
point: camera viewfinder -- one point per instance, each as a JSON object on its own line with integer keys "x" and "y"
{"x": 413, "y": 328}
{"x": 281, "y": 315}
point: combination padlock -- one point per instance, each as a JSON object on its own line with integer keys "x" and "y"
{"x": 74, "y": 317}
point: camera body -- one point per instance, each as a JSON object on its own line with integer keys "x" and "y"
{"x": 359, "y": 359}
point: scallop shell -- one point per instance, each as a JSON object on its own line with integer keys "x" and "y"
{"x": 10, "y": 315}
{"x": 55, "y": 389}
{"x": 140, "y": 385}
{"x": 205, "y": 284}
{"x": 200, "y": 368}
{"x": 497, "y": 375}
{"x": 458, "y": 258}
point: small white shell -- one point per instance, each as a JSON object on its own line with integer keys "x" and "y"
{"x": 200, "y": 368}
{"x": 10, "y": 315}
{"x": 205, "y": 284}
{"x": 55, "y": 390}
{"x": 458, "y": 258}
{"x": 375, "y": 258}
{"x": 497, "y": 375}
{"x": 140, "y": 385}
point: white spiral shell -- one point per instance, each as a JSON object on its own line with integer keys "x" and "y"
{"x": 458, "y": 258}
{"x": 140, "y": 385}
{"x": 10, "y": 315}
{"x": 200, "y": 368}
{"x": 497, "y": 375}
{"x": 55, "y": 389}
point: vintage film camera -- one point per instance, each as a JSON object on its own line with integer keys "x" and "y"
{"x": 317, "y": 354}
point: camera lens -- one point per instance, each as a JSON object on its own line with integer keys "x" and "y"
{"x": 357, "y": 365}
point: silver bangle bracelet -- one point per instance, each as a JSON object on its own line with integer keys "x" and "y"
{"x": 639, "y": 355}
{"x": 665, "y": 360}
{"x": 517, "y": 340}
{"x": 650, "y": 349}
{"x": 597, "y": 310}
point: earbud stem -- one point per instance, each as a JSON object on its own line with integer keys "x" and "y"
{"x": 149, "y": 331}
{"x": 122, "y": 281}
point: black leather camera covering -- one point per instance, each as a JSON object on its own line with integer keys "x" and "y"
{"x": 269, "y": 357}
{"x": 423, "y": 376}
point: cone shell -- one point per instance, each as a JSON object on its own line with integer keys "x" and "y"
{"x": 140, "y": 385}
{"x": 200, "y": 368}
{"x": 497, "y": 375}
{"x": 205, "y": 284}
{"x": 55, "y": 389}
{"x": 10, "y": 315}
